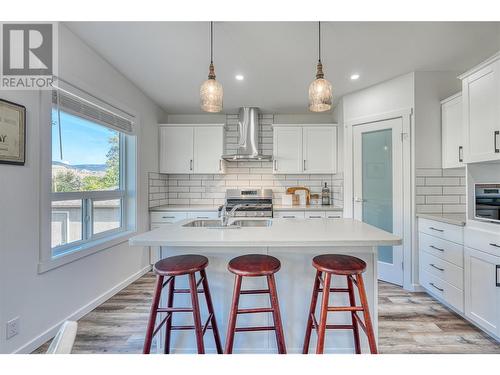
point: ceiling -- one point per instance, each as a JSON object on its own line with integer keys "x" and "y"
{"x": 169, "y": 60}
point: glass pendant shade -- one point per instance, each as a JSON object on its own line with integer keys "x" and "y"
{"x": 320, "y": 92}
{"x": 211, "y": 93}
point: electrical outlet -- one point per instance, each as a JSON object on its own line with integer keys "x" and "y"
{"x": 12, "y": 327}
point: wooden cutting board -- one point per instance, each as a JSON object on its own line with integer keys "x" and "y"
{"x": 292, "y": 190}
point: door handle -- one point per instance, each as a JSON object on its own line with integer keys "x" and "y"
{"x": 460, "y": 154}
{"x": 497, "y": 278}
{"x": 436, "y": 229}
{"x": 436, "y": 248}
{"x": 432, "y": 284}
{"x": 495, "y": 138}
{"x": 358, "y": 199}
{"x": 436, "y": 267}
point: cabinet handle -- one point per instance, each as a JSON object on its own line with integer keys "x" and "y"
{"x": 275, "y": 163}
{"x": 304, "y": 164}
{"x": 202, "y": 217}
{"x": 497, "y": 269}
{"x": 495, "y": 138}
{"x": 460, "y": 154}
{"x": 288, "y": 217}
{"x": 314, "y": 217}
{"x": 168, "y": 217}
{"x": 436, "y": 248}
{"x": 220, "y": 165}
{"x": 432, "y": 284}
{"x": 436, "y": 229}
{"x": 436, "y": 267}
{"x": 191, "y": 164}
{"x": 494, "y": 244}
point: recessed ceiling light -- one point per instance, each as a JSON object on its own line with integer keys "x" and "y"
{"x": 239, "y": 77}
{"x": 354, "y": 77}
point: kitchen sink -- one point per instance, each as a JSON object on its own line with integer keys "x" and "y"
{"x": 253, "y": 223}
{"x": 214, "y": 224}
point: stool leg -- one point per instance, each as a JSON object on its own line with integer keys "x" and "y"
{"x": 273, "y": 295}
{"x": 196, "y": 313}
{"x": 355, "y": 328}
{"x": 210, "y": 307}
{"x": 168, "y": 324}
{"x": 366, "y": 313}
{"x": 324, "y": 313}
{"x": 312, "y": 310}
{"x": 232, "y": 315}
{"x": 152, "y": 315}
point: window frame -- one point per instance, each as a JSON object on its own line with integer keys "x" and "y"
{"x": 88, "y": 197}
{"x": 47, "y": 261}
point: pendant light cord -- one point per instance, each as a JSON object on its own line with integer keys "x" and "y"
{"x": 211, "y": 42}
{"x": 319, "y": 41}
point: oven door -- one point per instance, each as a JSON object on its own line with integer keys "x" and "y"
{"x": 488, "y": 208}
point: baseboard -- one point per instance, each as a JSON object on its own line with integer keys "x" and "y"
{"x": 51, "y": 332}
{"x": 416, "y": 288}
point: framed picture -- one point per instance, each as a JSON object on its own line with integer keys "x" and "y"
{"x": 12, "y": 133}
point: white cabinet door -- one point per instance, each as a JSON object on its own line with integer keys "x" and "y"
{"x": 176, "y": 149}
{"x": 482, "y": 289}
{"x": 287, "y": 149}
{"x": 481, "y": 96}
{"x": 452, "y": 132}
{"x": 208, "y": 149}
{"x": 320, "y": 149}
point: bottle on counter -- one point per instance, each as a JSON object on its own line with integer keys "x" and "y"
{"x": 325, "y": 195}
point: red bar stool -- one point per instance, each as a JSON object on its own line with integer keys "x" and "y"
{"x": 177, "y": 266}
{"x": 352, "y": 268}
{"x": 255, "y": 265}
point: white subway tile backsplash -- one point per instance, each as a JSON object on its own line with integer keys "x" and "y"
{"x": 440, "y": 190}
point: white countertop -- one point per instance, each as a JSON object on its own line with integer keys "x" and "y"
{"x": 184, "y": 208}
{"x": 455, "y": 219}
{"x": 282, "y": 232}
{"x": 309, "y": 207}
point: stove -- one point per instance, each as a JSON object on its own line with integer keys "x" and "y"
{"x": 258, "y": 202}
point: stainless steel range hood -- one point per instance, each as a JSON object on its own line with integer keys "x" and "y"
{"x": 248, "y": 137}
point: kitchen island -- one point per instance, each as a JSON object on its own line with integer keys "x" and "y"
{"x": 294, "y": 242}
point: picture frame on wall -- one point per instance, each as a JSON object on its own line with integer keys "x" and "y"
{"x": 12, "y": 133}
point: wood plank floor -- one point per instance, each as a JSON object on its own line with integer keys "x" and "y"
{"x": 408, "y": 323}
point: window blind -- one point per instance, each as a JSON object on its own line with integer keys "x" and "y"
{"x": 78, "y": 106}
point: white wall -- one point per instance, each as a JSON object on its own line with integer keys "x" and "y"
{"x": 42, "y": 301}
{"x": 430, "y": 89}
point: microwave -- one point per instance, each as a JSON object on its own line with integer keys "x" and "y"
{"x": 487, "y": 202}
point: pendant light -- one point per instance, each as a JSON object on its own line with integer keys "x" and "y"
{"x": 320, "y": 90}
{"x": 211, "y": 91}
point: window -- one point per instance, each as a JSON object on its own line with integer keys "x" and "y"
{"x": 89, "y": 174}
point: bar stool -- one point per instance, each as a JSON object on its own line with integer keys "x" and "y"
{"x": 177, "y": 266}
{"x": 352, "y": 268}
{"x": 255, "y": 265}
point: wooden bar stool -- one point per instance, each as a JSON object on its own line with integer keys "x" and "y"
{"x": 352, "y": 268}
{"x": 177, "y": 266}
{"x": 255, "y": 265}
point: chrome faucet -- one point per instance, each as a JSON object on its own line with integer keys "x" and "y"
{"x": 224, "y": 215}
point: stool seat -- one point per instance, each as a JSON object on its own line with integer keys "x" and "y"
{"x": 180, "y": 265}
{"x": 253, "y": 265}
{"x": 338, "y": 264}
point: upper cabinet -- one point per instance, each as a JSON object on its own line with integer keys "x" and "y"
{"x": 481, "y": 111}
{"x": 191, "y": 148}
{"x": 453, "y": 137}
{"x": 305, "y": 149}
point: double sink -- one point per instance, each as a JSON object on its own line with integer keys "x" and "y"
{"x": 216, "y": 224}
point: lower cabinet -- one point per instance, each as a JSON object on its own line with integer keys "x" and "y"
{"x": 316, "y": 214}
{"x": 482, "y": 289}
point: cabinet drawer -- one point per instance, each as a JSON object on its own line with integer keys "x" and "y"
{"x": 315, "y": 215}
{"x": 446, "y": 271}
{"x": 167, "y": 217}
{"x": 289, "y": 215}
{"x": 158, "y": 225}
{"x": 333, "y": 214}
{"x": 203, "y": 215}
{"x": 486, "y": 241}
{"x": 443, "y": 290}
{"x": 442, "y": 230}
{"x": 449, "y": 251}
